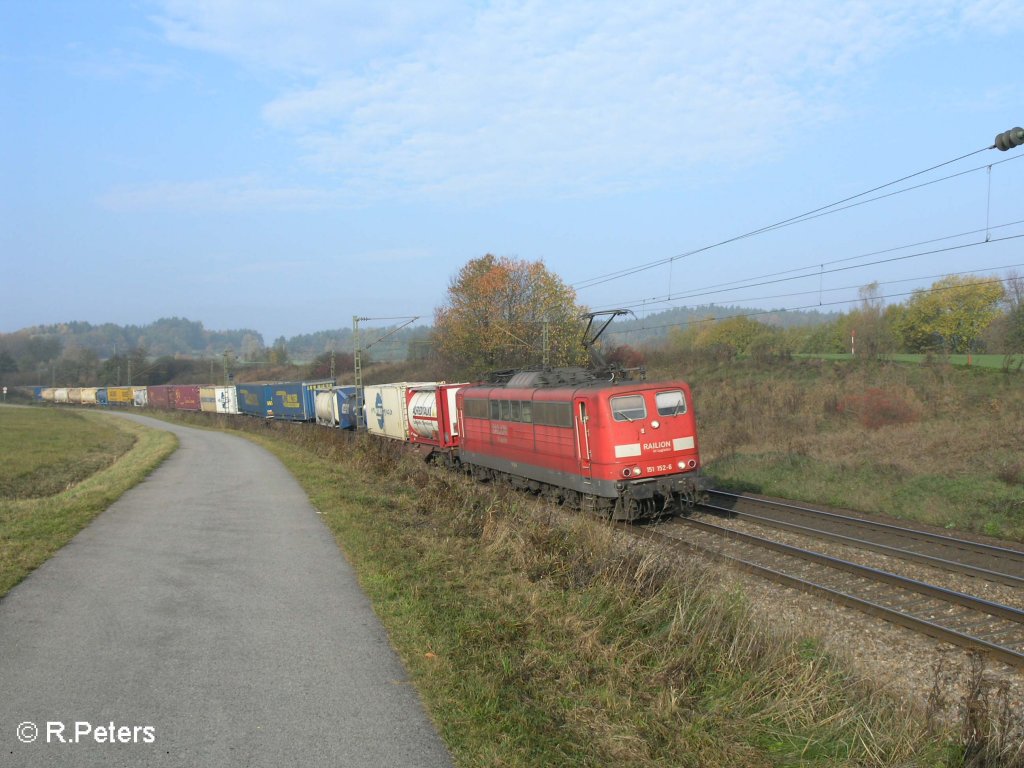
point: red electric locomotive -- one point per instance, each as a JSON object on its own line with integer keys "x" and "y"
{"x": 626, "y": 449}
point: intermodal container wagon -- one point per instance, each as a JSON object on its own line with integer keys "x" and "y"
{"x": 47, "y": 394}
{"x": 218, "y": 399}
{"x": 252, "y": 399}
{"x": 295, "y": 400}
{"x": 336, "y": 407}
{"x": 120, "y": 396}
{"x": 184, "y": 397}
{"x": 89, "y": 395}
{"x": 385, "y": 408}
{"x": 159, "y": 396}
{"x": 61, "y": 395}
{"x": 75, "y": 395}
{"x": 433, "y": 416}
{"x": 140, "y": 396}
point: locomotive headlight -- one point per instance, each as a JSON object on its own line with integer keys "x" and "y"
{"x": 655, "y": 424}
{"x": 682, "y": 465}
{"x": 636, "y": 470}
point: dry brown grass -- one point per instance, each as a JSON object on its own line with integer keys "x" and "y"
{"x": 933, "y": 443}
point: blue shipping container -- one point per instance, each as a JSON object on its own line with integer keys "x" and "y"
{"x": 296, "y": 400}
{"x": 101, "y": 396}
{"x": 253, "y": 399}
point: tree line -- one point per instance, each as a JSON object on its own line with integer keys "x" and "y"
{"x": 505, "y": 313}
{"x": 955, "y": 315}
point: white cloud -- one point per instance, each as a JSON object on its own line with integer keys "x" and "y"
{"x": 311, "y": 36}
{"x": 512, "y": 96}
{"x": 997, "y": 16}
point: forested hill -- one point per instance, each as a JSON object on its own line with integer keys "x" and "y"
{"x": 30, "y": 347}
{"x": 176, "y": 336}
{"x": 167, "y": 336}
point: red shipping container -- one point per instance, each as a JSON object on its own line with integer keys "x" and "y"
{"x": 185, "y": 397}
{"x": 159, "y": 396}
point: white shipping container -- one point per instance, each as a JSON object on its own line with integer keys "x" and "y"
{"x": 60, "y": 395}
{"x": 218, "y": 400}
{"x": 89, "y": 395}
{"x": 227, "y": 400}
{"x": 385, "y": 408}
{"x": 140, "y": 395}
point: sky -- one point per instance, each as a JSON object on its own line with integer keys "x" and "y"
{"x": 284, "y": 166}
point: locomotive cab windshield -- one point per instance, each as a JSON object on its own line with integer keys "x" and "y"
{"x": 628, "y": 408}
{"x": 634, "y": 407}
{"x": 671, "y": 403}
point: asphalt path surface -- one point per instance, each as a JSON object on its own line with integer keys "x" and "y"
{"x": 205, "y": 619}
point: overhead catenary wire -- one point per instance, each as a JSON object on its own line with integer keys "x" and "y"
{"x": 776, "y": 278}
{"x": 817, "y": 292}
{"x": 808, "y": 215}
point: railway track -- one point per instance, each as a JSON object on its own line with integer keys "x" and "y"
{"x": 997, "y": 564}
{"x": 954, "y": 617}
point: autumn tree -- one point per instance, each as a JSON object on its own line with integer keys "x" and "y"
{"x": 950, "y": 315}
{"x": 499, "y": 312}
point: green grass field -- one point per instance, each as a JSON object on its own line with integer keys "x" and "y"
{"x": 60, "y": 469}
{"x": 998, "y": 362}
{"x": 47, "y": 451}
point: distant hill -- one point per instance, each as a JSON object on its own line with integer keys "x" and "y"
{"x": 180, "y": 337}
{"x": 381, "y": 343}
{"x": 167, "y": 336}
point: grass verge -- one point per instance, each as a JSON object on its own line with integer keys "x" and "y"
{"x": 33, "y": 529}
{"x": 539, "y": 639}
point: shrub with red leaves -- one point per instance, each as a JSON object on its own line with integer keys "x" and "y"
{"x": 877, "y": 408}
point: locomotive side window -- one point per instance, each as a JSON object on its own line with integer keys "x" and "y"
{"x": 496, "y": 410}
{"x": 527, "y": 411}
{"x": 670, "y": 403}
{"x": 552, "y": 414}
{"x": 629, "y": 408}
{"x": 476, "y": 409}
{"x": 516, "y": 411}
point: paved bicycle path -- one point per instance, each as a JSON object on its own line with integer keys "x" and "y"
{"x": 209, "y": 616}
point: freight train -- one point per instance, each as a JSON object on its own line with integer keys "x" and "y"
{"x": 622, "y": 449}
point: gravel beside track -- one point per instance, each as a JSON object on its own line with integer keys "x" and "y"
{"x": 929, "y": 673}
